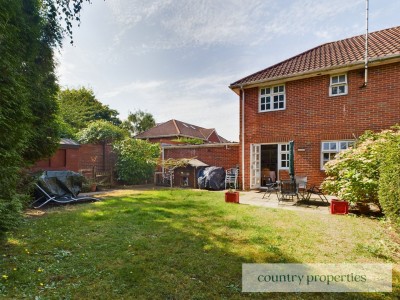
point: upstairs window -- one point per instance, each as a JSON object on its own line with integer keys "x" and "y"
{"x": 338, "y": 85}
{"x": 272, "y": 98}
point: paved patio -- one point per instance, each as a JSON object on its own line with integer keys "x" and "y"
{"x": 256, "y": 198}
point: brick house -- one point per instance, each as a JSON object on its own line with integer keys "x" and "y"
{"x": 322, "y": 99}
{"x": 173, "y": 129}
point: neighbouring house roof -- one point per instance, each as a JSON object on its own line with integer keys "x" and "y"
{"x": 175, "y": 128}
{"x": 383, "y": 44}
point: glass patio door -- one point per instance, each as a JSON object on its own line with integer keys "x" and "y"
{"x": 255, "y": 166}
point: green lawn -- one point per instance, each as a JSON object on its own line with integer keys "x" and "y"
{"x": 173, "y": 244}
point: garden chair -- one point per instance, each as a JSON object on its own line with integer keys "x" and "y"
{"x": 288, "y": 190}
{"x": 231, "y": 177}
{"x": 301, "y": 182}
{"x": 315, "y": 190}
{"x": 269, "y": 187}
{"x": 59, "y": 187}
{"x": 47, "y": 198}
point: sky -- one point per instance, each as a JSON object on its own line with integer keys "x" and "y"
{"x": 176, "y": 58}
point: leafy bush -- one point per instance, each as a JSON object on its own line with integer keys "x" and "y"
{"x": 190, "y": 141}
{"x": 136, "y": 160}
{"x": 389, "y": 181}
{"x": 354, "y": 174}
{"x": 101, "y": 131}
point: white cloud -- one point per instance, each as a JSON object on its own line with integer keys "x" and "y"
{"x": 134, "y": 87}
{"x": 220, "y": 22}
{"x": 214, "y": 22}
{"x": 308, "y": 16}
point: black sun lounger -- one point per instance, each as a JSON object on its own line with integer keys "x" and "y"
{"x": 59, "y": 187}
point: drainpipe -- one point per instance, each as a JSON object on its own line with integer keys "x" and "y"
{"x": 162, "y": 158}
{"x": 366, "y": 44}
{"x": 242, "y": 138}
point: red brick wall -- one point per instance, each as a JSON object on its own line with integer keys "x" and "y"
{"x": 224, "y": 155}
{"x": 91, "y": 155}
{"x": 86, "y": 157}
{"x": 311, "y": 116}
{"x": 63, "y": 159}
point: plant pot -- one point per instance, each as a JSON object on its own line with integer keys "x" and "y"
{"x": 339, "y": 207}
{"x": 232, "y": 197}
{"x": 93, "y": 187}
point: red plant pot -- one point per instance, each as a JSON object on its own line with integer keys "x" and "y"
{"x": 232, "y": 197}
{"x": 339, "y": 207}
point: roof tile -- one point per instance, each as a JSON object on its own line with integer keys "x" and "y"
{"x": 178, "y": 129}
{"x": 381, "y": 44}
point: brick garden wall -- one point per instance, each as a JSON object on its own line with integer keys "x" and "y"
{"x": 220, "y": 155}
{"x": 86, "y": 157}
{"x": 91, "y": 155}
{"x": 311, "y": 116}
{"x": 62, "y": 160}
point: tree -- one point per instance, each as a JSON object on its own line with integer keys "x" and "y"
{"x": 101, "y": 131}
{"x": 138, "y": 122}
{"x": 29, "y": 32}
{"x": 136, "y": 161}
{"x": 79, "y": 107}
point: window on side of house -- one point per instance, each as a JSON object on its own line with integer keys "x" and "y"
{"x": 338, "y": 85}
{"x": 283, "y": 156}
{"x": 329, "y": 149}
{"x": 272, "y": 98}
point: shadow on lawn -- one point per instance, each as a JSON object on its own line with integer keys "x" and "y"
{"x": 159, "y": 245}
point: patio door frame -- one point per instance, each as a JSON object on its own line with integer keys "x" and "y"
{"x": 255, "y": 166}
{"x": 255, "y": 163}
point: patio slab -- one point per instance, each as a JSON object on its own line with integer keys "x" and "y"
{"x": 256, "y": 198}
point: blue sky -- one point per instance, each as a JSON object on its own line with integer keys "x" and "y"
{"x": 176, "y": 58}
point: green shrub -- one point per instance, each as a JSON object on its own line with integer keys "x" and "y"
{"x": 190, "y": 141}
{"x": 136, "y": 160}
{"x": 354, "y": 175}
{"x": 101, "y": 131}
{"x": 389, "y": 181}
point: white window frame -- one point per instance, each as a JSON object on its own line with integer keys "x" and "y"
{"x": 334, "y": 147}
{"x": 336, "y": 83}
{"x": 277, "y": 92}
{"x": 283, "y": 152}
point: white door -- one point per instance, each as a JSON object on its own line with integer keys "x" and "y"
{"x": 255, "y": 166}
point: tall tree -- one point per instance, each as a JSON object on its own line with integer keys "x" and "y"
{"x": 138, "y": 122}
{"x": 79, "y": 107}
{"x": 29, "y": 32}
